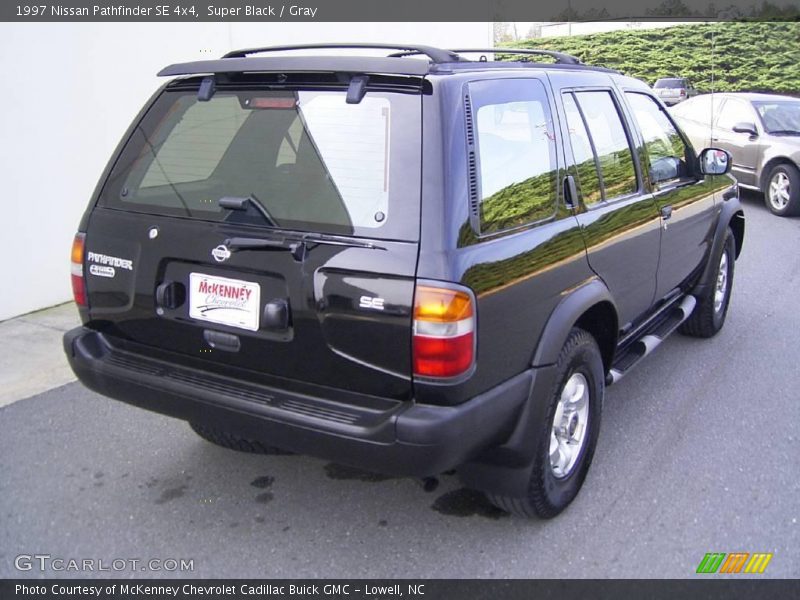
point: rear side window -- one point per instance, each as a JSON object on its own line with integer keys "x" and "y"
{"x": 669, "y": 156}
{"x": 312, "y": 161}
{"x": 610, "y": 144}
{"x": 733, "y": 112}
{"x": 700, "y": 109}
{"x": 588, "y": 177}
{"x": 516, "y": 153}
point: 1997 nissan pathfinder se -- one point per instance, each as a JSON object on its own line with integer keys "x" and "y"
{"x": 407, "y": 263}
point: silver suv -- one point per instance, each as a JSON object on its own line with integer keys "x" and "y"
{"x": 672, "y": 90}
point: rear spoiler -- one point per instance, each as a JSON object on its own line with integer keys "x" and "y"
{"x": 288, "y": 64}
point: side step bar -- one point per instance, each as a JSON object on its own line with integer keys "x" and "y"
{"x": 650, "y": 339}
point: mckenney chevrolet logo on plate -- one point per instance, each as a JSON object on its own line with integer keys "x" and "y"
{"x": 226, "y": 301}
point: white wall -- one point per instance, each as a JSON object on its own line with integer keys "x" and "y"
{"x": 68, "y": 93}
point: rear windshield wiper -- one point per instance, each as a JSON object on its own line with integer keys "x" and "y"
{"x": 237, "y": 203}
{"x": 297, "y": 244}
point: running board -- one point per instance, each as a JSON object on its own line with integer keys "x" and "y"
{"x": 650, "y": 339}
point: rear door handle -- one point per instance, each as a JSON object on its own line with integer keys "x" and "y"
{"x": 666, "y": 212}
{"x": 570, "y": 191}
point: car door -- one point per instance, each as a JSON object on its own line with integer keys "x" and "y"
{"x": 684, "y": 199}
{"x": 745, "y": 148}
{"x": 619, "y": 220}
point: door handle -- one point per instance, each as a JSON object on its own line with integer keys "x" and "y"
{"x": 570, "y": 191}
{"x": 666, "y": 215}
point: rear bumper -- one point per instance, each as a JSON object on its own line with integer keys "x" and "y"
{"x": 402, "y": 438}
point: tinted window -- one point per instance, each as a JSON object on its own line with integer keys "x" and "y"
{"x": 194, "y": 147}
{"x": 667, "y": 153}
{"x": 587, "y": 178}
{"x": 516, "y": 153}
{"x": 310, "y": 159}
{"x": 610, "y": 143}
{"x": 733, "y": 112}
{"x": 670, "y": 83}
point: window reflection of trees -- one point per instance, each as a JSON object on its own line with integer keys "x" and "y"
{"x": 516, "y": 146}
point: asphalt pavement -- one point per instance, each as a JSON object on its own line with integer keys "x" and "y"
{"x": 698, "y": 453}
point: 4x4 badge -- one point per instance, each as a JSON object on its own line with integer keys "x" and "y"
{"x": 221, "y": 253}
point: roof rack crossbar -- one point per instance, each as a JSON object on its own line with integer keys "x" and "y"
{"x": 560, "y": 57}
{"x": 437, "y": 55}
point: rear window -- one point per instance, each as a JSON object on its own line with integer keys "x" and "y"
{"x": 670, "y": 83}
{"x": 307, "y": 160}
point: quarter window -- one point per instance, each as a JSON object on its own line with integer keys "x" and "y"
{"x": 516, "y": 153}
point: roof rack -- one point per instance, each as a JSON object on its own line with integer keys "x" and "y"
{"x": 437, "y": 55}
{"x": 560, "y": 57}
{"x": 440, "y": 60}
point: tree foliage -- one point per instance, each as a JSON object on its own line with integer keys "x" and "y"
{"x": 759, "y": 56}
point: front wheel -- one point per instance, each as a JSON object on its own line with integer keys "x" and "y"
{"x": 569, "y": 433}
{"x": 708, "y": 316}
{"x": 782, "y": 190}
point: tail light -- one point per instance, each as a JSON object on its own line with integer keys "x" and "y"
{"x": 444, "y": 331}
{"x": 78, "y": 282}
{"x": 683, "y": 92}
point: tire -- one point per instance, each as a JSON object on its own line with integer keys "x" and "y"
{"x": 557, "y": 478}
{"x": 234, "y": 442}
{"x": 708, "y": 316}
{"x": 782, "y": 190}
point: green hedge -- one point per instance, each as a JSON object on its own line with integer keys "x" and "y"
{"x": 746, "y": 56}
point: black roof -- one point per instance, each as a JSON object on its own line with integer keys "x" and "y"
{"x": 403, "y": 61}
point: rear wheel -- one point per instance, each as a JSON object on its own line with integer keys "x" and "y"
{"x": 708, "y": 316}
{"x": 234, "y": 442}
{"x": 782, "y": 190}
{"x": 569, "y": 434}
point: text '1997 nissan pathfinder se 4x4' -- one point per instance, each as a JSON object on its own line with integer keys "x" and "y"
{"x": 408, "y": 263}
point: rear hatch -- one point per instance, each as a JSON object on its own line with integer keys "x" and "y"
{"x": 670, "y": 88}
{"x": 269, "y": 228}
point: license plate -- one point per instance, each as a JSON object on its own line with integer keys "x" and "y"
{"x": 225, "y": 301}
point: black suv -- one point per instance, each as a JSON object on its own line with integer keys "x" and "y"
{"x": 407, "y": 263}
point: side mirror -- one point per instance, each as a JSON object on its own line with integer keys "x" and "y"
{"x": 714, "y": 161}
{"x": 745, "y": 127}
